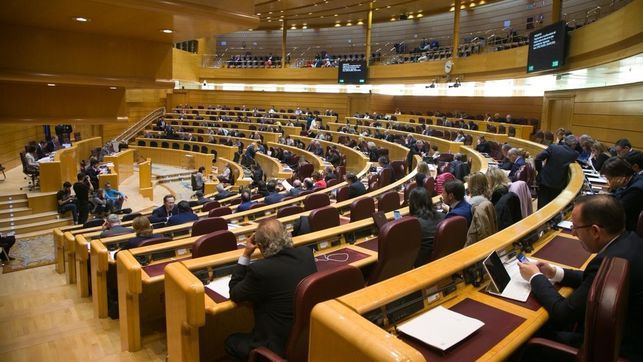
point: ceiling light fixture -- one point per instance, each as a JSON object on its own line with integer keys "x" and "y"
{"x": 167, "y": 31}
{"x": 419, "y": 15}
{"x": 462, "y": 6}
{"x": 293, "y": 27}
{"x": 482, "y": 2}
{"x": 258, "y": 14}
{"x": 472, "y": 4}
{"x": 452, "y": 9}
{"x": 349, "y": 23}
{"x": 393, "y": 18}
{"x": 81, "y": 19}
{"x": 410, "y": 16}
{"x": 113, "y": 88}
{"x": 304, "y": 26}
{"x": 360, "y": 22}
{"x": 51, "y": 85}
{"x": 338, "y": 25}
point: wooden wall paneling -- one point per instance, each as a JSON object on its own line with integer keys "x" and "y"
{"x": 185, "y": 65}
{"x": 15, "y": 137}
{"x": 382, "y": 103}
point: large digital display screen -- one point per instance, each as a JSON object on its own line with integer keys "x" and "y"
{"x": 352, "y": 72}
{"x": 547, "y": 48}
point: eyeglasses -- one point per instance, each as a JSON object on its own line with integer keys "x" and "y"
{"x": 574, "y": 227}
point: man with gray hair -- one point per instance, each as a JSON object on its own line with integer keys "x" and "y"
{"x": 269, "y": 284}
{"x": 552, "y": 177}
{"x": 112, "y": 227}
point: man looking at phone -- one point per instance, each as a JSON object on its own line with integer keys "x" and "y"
{"x": 269, "y": 284}
{"x": 599, "y": 222}
{"x": 82, "y": 188}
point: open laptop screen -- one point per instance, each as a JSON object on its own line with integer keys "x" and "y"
{"x": 499, "y": 276}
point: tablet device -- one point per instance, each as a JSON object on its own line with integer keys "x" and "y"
{"x": 497, "y": 272}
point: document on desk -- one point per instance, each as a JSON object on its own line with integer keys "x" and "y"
{"x": 440, "y": 327}
{"x": 221, "y": 286}
{"x": 597, "y": 180}
{"x": 565, "y": 225}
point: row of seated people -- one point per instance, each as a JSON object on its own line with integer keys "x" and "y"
{"x": 325, "y": 60}
{"x": 253, "y": 61}
{"x": 450, "y": 115}
{"x": 241, "y": 117}
{"x": 255, "y": 121}
{"x": 189, "y": 109}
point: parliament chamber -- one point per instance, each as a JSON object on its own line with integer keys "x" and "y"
{"x": 121, "y": 117}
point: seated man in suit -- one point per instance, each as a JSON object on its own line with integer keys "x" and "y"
{"x": 201, "y": 199}
{"x": 222, "y": 193}
{"x": 113, "y": 227}
{"x": 599, "y": 222}
{"x": 296, "y": 189}
{"x": 185, "y": 214}
{"x": 161, "y": 214}
{"x": 269, "y": 284}
{"x": 355, "y": 186}
{"x": 246, "y": 201}
{"x": 273, "y": 196}
{"x": 453, "y": 198}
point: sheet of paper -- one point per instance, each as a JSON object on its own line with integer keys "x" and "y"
{"x": 286, "y": 185}
{"x": 440, "y": 327}
{"x": 221, "y": 286}
{"x": 565, "y": 224}
{"x": 597, "y": 180}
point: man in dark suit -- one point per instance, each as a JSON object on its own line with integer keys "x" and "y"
{"x": 269, "y": 284}
{"x": 162, "y": 213}
{"x": 273, "y": 196}
{"x": 222, "y": 193}
{"x": 355, "y": 186}
{"x": 453, "y": 197}
{"x": 599, "y": 222}
{"x": 552, "y": 177}
{"x": 184, "y": 215}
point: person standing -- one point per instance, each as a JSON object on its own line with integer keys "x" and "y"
{"x": 553, "y": 175}
{"x": 269, "y": 284}
{"x": 82, "y": 188}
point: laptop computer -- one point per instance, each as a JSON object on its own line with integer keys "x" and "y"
{"x": 506, "y": 283}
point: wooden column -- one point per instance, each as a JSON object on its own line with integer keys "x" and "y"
{"x": 456, "y": 29}
{"x": 369, "y": 28}
{"x": 283, "y": 43}
{"x": 556, "y": 10}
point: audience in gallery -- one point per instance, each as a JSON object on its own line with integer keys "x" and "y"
{"x": 421, "y": 206}
{"x": 269, "y": 284}
{"x": 608, "y": 239}
{"x": 184, "y": 214}
{"x": 112, "y": 227}
{"x": 67, "y": 202}
{"x": 627, "y": 187}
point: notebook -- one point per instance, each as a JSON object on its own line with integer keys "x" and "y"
{"x": 506, "y": 281}
{"x": 221, "y": 286}
{"x": 440, "y": 327}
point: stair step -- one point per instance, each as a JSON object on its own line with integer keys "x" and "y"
{"x": 13, "y": 197}
{"x": 29, "y": 219}
{"x": 14, "y": 212}
{"x": 41, "y": 225}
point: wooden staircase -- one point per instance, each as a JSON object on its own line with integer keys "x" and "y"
{"x": 16, "y": 216}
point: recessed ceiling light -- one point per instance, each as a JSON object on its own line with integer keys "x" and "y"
{"x": 338, "y": 25}
{"x": 462, "y": 6}
{"x": 281, "y": 11}
{"x": 472, "y": 5}
{"x": 304, "y": 26}
{"x": 388, "y": 6}
{"x": 258, "y": 14}
{"x": 393, "y": 18}
{"x": 419, "y": 15}
{"x": 167, "y": 31}
{"x": 293, "y": 27}
{"x": 482, "y": 2}
{"x": 452, "y": 9}
{"x": 270, "y": 12}
{"x": 113, "y": 88}
{"x": 310, "y": 13}
{"x": 51, "y": 85}
{"x": 410, "y": 16}
{"x": 349, "y": 23}
{"x": 251, "y": 29}
{"x": 336, "y": 15}
{"x": 81, "y": 19}
{"x": 360, "y": 22}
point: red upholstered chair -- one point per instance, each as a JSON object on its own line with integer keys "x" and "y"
{"x": 388, "y": 202}
{"x": 289, "y": 210}
{"x": 210, "y": 205}
{"x": 362, "y": 208}
{"x": 450, "y": 236}
{"x": 220, "y": 211}
{"x": 315, "y": 201}
{"x": 323, "y": 218}
{"x": 315, "y": 288}
{"x": 332, "y": 182}
{"x": 342, "y": 194}
{"x": 154, "y": 241}
{"x": 399, "y": 169}
{"x": 407, "y": 191}
{"x": 385, "y": 178}
{"x": 639, "y": 225}
{"x": 213, "y": 243}
{"x": 398, "y": 246}
{"x": 607, "y": 303}
{"x": 208, "y": 225}
{"x": 340, "y": 171}
{"x": 303, "y": 171}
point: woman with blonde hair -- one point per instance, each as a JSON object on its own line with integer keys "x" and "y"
{"x": 498, "y": 183}
{"x": 477, "y": 188}
{"x": 143, "y": 229}
{"x": 422, "y": 174}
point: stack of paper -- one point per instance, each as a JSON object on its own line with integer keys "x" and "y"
{"x": 440, "y": 328}
{"x": 221, "y": 286}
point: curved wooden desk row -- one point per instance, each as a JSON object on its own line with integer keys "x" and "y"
{"x": 237, "y": 112}
{"x": 129, "y": 268}
{"x": 523, "y": 131}
{"x": 355, "y": 162}
{"x": 65, "y": 164}
{"x": 339, "y": 330}
{"x": 244, "y": 127}
{"x": 99, "y": 248}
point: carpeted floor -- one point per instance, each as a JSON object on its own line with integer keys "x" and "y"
{"x": 31, "y": 252}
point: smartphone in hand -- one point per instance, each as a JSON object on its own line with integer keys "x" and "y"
{"x": 522, "y": 258}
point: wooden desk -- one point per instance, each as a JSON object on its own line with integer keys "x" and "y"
{"x": 338, "y": 327}
{"x": 315, "y": 160}
{"x": 65, "y": 164}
